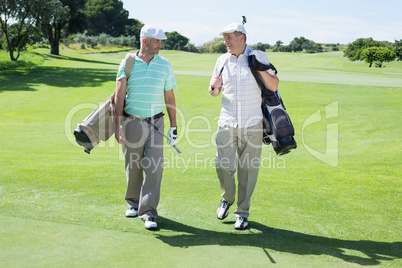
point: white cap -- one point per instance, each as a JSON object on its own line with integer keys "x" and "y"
{"x": 153, "y": 32}
{"x": 233, "y": 27}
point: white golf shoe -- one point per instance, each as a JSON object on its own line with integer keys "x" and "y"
{"x": 150, "y": 224}
{"x": 241, "y": 223}
{"x": 131, "y": 212}
{"x": 223, "y": 210}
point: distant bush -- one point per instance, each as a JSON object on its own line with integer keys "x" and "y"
{"x": 39, "y": 46}
{"x": 260, "y": 46}
{"x": 105, "y": 40}
{"x": 397, "y": 47}
{"x": 317, "y": 48}
{"x": 214, "y": 46}
{"x": 124, "y": 41}
{"x": 191, "y": 48}
{"x": 92, "y": 41}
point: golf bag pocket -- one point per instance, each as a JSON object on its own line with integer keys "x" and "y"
{"x": 281, "y": 123}
{"x": 277, "y": 127}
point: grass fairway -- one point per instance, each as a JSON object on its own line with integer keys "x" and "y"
{"x": 335, "y": 201}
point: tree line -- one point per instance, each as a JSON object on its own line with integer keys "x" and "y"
{"x": 104, "y": 22}
{"x": 25, "y": 22}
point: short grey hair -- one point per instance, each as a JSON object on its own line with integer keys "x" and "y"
{"x": 146, "y": 38}
{"x": 239, "y": 33}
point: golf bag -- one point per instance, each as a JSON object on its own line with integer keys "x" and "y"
{"x": 277, "y": 127}
{"x": 99, "y": 125}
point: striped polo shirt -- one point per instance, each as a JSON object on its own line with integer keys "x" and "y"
{"x": 146, "y": 86}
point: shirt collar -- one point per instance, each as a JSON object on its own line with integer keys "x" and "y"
{"x": 154, "y": 59}
{"x": 246, "y": 52}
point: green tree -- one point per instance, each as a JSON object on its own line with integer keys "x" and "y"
{"x": 398, "y": 49}
{"x": 175, "y": 41}
{"x": 377, "y": 55}
{"x": 296, "y": 45}
{"x": 284, "y": 49}
{"x": 106, "y": 16}
{"x": 2, "y": 40}
{"x": 317, "y": 47}
{"x": 354, "y": 50}
{"x": 62, "y": 15}
{"x": 55, "y": 19}
{"x": 215, "y": 46}
{"x": 26, "y": 15}
{"x": 133, "y": 28}
{"x": 77, "y": 21}
{"x": 260, "y": 46}
{"x": 277, "y": 46}
{"x": 191, "y": 48}
{"x": 301, "y": 43}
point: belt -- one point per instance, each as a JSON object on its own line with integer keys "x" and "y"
{"x": 144, "y": 119}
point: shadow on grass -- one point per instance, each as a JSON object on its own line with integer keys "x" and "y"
{"x": 265, "y": 237}
{"x": 8, "y": 65}
{"x": 61, "y": 57}
{"x": 27, "y": 80}
{"x": 31, "y": 60}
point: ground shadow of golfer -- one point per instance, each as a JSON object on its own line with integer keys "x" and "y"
{"x": 265, "y": 237}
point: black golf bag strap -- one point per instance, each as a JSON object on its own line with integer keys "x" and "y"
{"x": 260, "y": 66}
{"x": 264, "y": 90}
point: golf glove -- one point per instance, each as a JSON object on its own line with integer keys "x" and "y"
{"x": 172, "y": 136}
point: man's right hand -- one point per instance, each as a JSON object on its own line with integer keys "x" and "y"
{"x": 118, "y": 134}
{"x": 216, "y": 84}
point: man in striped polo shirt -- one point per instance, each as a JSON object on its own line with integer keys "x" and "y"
{"x": 140, "y": 98}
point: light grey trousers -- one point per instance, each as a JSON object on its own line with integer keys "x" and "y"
{"x": 143, "y": 152}
{"x": 246, "y": 144}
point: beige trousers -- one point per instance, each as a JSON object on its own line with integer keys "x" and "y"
{"x": 246, "y": 144}
{"x": 143, "y": 152}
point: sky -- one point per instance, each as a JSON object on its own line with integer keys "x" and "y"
{"x": 337, "y": 21}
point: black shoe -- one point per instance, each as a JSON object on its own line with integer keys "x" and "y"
{"x": 223, "y": 210}
{"x": 241, "y": 223}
